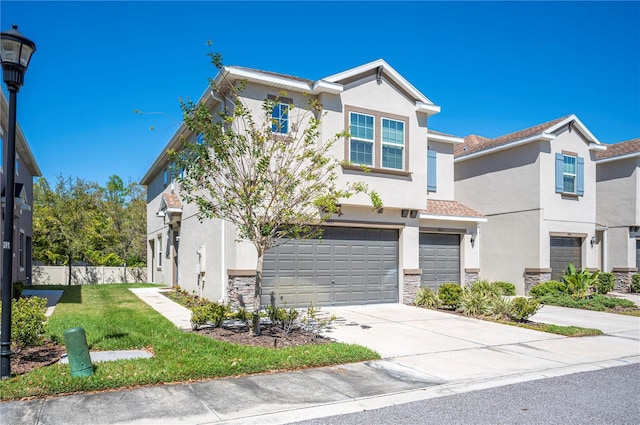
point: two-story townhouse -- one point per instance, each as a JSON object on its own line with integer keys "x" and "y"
{"x": 26, "y": 169}
{"x": 537, "y": 187}
{"x": 618, "y": 208}
{"x": 364, "y": 256}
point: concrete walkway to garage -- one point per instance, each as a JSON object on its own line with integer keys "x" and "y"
{"x": 425, "y": 354}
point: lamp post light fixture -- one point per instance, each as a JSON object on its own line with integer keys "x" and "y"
{"x": 15, "y": 54}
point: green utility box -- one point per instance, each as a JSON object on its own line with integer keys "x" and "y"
{"x": 78, "y": 352}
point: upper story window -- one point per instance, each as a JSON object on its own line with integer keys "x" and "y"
{"x": 280, "y": 119}
{"x": 392, "y": 144}
{"x": 361, "y": 146}
{"x": 378, "y": 140}
{"x": 569, "y": 173}
{"x": 165, "y": 177}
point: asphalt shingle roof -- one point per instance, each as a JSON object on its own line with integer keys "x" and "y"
{"x": 474, "y": 143}
{"x": 450, "y": 208}
{"x": 620, "y": 149}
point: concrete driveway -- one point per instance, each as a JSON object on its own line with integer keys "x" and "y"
{"x": 453, "y": 348}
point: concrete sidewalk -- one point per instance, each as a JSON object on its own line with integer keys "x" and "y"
{"x": 426, "y": 354}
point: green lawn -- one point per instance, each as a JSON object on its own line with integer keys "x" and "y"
{"x": 116, "y": 319}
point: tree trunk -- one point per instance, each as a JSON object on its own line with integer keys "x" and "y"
{"x": 257, "y": 294}
{"x": 70, "y": 270}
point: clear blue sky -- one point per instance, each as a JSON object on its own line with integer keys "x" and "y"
{"x": 493, "y": 67}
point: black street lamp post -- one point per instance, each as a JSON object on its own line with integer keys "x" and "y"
{"x": 15, "y": 54}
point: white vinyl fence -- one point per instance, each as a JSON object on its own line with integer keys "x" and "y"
{"x": 87, "y": 275}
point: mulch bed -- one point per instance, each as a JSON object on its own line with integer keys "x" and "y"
{"x": 270, "y": 337}
{"x": 30, "y": 358}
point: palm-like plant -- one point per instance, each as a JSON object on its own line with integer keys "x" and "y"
{"x": 579, "y": 282}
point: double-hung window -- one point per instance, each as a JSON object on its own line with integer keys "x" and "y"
{"x": 569, "y": 174}
{"x": 361, "y": 144}
{"x": 280, "y": 119}
{"x": 392, "y": 144}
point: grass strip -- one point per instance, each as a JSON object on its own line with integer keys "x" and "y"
{"x": 116, "y": 319}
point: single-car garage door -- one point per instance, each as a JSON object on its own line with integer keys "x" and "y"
{"x": 439, "y": 259}
{"x": 346, "y": 266}
{"x": 565, "y": 250}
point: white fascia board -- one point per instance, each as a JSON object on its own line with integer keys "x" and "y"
{"x": 271, "y": 80}
{"x": 597, "y": 147}
{"x": 322, "y": 86}
{"x": 542, "y": 137}
{"x": 618, "y": 158}
{"x": 444, "y": 139}
{"x": 355, "y": 71}
{"x": 581, "y": 127}
{"x": 424, "y": 216}
{"x": 393, "y": 74}
{"x": 429, "y": 109}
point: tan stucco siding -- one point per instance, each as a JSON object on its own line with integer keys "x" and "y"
{"x": 501, "y": 182}
{"x": 577, "y": 209}
{"x": 510, "y": 244}
{"x": 387, "y": 102}
{"x": 444, "y": 170}
{"x": 618, "y": 193}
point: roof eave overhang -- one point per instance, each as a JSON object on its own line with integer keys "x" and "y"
{"x": 427, "y": 108}
{"x": 426, "y": 216}
{"x": 542, "y": 137}
{"x": 618, "y": 158}
{"x": 445, "y": 139}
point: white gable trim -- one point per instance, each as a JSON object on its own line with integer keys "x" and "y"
{"x": 445, "y": 139}
{"x": 423, "y": 104}
{"x": 543, "y": 137}
{"x": 618, "y": 158}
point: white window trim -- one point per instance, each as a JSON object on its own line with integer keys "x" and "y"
{"x": 361, "y": 140}
{"x": 574, "y": 175}
{"x": 159, "y": 248}
{"x": 383, "y": 143}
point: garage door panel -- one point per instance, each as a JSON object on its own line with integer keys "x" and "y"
{"x": 564, "y": 250}
{"x": 439, "y": 259}
{"x": 349, "y": 266}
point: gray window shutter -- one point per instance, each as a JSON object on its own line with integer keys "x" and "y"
{"x": 559, "y": 173}
{"x": 432, "y": 174}
{"x": 580, "y": 176}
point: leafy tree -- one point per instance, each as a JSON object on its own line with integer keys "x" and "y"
{"x": 270, "y": 186}
{"x": 63, "y": 220}
{"x": 125, "y": 208}
{"x": 80, "y": 221}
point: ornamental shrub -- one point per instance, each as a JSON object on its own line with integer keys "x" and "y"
{"x": 27, "y": 321}
{"x": 474, "y": 303}
{"x": 522, "y": 308}
{"x": 579, "y": 281}
{"x": 507, "y": 288}
{"x": 425, "y": 297}
{"x": 635, "y": 283}
{"x": 485, "y": 288}
{"x": 500, "y": 307}
{"x": 209, "y": 313}
{"x": 550, "y": 287}
{"x": 605, "y": 283}
{"x": 449, "y": 294}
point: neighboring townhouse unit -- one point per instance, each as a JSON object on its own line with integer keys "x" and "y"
{"x": 26, "y": 169}
{"x": 618, "y": 208}
{"x": 537, "y": 188}
{"x": 420, "y": 237}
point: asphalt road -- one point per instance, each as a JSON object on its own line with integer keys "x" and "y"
{"x": 608, "y": 396}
